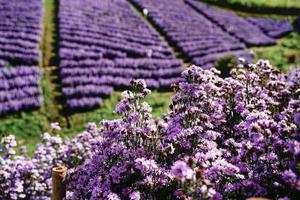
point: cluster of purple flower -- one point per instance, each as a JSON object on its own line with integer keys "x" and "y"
{"x": 103, "y": 45}
{"x": 221, "y": 138}
{"x": 24, "y": 177}
{"x": 20, "y": 30}
{"x": 273, "y": 28}
{"x": 245, "y": 31}
{"x": 202, "y": 41}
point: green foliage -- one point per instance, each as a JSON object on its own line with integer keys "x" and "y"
{"x": 285, "y": 54}
{"x": 26, "y": 126}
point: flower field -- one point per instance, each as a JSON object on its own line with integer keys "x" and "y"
{"x": 98, "y": 53}
{"x": 160, "y": 99}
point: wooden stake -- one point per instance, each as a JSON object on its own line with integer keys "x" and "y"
{"x": 59, "y": 183}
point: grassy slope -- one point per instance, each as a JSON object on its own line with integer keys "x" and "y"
{"x": 285, "y": 54}
{"x": 271, "y": 3}
{"x": 28, "y": 126}
{"x": 267, "y": 3}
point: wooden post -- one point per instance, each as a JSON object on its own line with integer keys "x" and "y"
{"x": 59, "y": 183}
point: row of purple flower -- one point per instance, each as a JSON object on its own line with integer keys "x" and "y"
{"x": 273, "y": 28}
{"x": 20, "y": 30}
{"x": 197, "y": 37}
{"x": 19, "y": 89}
{"x": 240, "y": 27}
{"x": 180, "y": 22}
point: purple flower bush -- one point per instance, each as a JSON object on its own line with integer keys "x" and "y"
{"x": 229, "y": 138}
{"x": 222, "y": 138}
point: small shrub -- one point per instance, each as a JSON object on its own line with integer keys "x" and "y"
{"x": 226, "y": 64}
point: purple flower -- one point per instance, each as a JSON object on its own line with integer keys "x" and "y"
{"x": 145, "y": 165}
{"x": 136, "y": 195}
{"x": 296, "y": 118}
{"x": 113, "y": 196}
{"x": 294, "y": 147}
{"x": 55, "y": 126}
{"x": 182, "y": 171}
{"x": 289, "y": 177}
{"x": 121, "y": 107}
